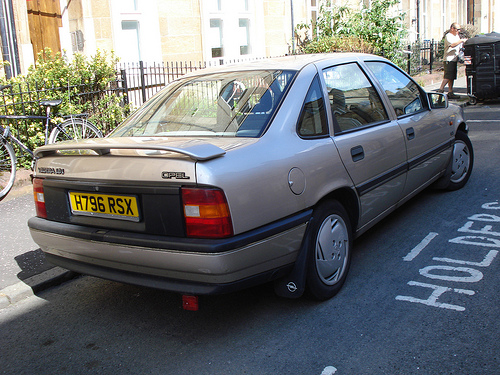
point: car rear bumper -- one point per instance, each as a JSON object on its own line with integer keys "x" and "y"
{"x": 180, "y": 265}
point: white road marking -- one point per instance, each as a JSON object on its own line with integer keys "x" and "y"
{"x": 433, "y": 298}
{"x": 482, "y": 121}
{"x": 417, "y": 249}
{"x": 329, "y": 370}
{"x": 485, "y": 263}
{"x": 471, "y": 275}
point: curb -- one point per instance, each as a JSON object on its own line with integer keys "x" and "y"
{"x": 22, "y": 184}
{"x": 35, "y": 284}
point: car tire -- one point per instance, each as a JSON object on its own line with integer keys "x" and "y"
{"x": 461, "y": 163}
{"x": 329, "y": 253}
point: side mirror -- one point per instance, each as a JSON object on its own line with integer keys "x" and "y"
{"x": 437, "y": 100}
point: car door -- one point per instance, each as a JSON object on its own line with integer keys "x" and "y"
{"x": 427, "y": 133}
{"x": 372, "y": 147}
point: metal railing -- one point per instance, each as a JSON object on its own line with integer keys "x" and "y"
{"x": 137, "y": 82}
{"x": 142, "y": 80}
{"x": 22, "y": 98}
{"x": 425, "y": 56}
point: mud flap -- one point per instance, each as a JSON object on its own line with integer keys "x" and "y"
{"x": 293, "y": 285}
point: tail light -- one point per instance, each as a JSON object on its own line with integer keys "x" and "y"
{"x": 467, "y": 60}
{"x": 206, "y": 213}
{"x": 39, "y": 196}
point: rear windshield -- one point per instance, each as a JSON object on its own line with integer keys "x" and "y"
{"x": 237, "y": 104}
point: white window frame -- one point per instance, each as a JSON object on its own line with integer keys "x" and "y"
{"x": 145, "y": 13}
{"x": 230, "y": 12}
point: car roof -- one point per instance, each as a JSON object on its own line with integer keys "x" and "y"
{"x": 292, "y": 62}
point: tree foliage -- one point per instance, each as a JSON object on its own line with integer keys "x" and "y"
{"x": 375, "y": 29}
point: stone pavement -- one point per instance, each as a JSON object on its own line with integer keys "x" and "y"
{"x": 27, "y": 273}
{"x": 23, "y": 267}
{"x": 432, "y": 82}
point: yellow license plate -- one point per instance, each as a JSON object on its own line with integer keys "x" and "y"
{"x": 122, "y": 207}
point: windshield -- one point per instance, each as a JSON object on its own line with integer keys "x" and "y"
{"x": 225, "y": 104}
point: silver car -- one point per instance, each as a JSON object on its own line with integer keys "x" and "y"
{"x": 246, "y": 174}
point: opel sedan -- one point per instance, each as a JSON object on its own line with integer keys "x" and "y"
{"x": 245, "y": 174}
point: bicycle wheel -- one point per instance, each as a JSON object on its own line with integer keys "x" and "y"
{"x": 75, "y": 128}
{"x": 7, "y": 168}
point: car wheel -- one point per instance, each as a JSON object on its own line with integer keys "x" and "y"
{"x": 461, "y": 162}
{"x": 329, "y": 250}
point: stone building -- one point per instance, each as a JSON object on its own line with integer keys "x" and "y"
{"x": 195, "y": 30}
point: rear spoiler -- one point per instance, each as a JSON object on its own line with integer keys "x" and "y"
{"x": 197, "y": 151}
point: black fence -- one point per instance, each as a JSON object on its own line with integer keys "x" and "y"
{"x": 141, "y": 81}
{"x": 23, "y": 98}
{"x": 424, "y": 57}
{"x": 137, "y": 82}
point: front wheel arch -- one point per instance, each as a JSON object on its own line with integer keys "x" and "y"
{"x": 461, "y": 163}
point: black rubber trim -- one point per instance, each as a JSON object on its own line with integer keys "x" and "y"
{"x": 376, "y": 182}
{"x": 413, "y": 163}
{"x": 166, "y": 242}
{"x": 158, "y": 282}
{"x": 399, "y": 170}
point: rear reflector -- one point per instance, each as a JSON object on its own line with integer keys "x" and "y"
{"x": 206, "y": 213}
{"x": 190, "y": 303}
{"x": 39, "y": 197}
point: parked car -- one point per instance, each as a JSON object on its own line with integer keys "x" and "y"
{"x": 245, "y": 174}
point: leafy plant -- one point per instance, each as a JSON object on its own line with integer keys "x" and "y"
{"x": 371, "y": 29}
{"x": 468, "y": 31}
{"x": 83, "y": 84}
{"x": 335, "y": 43}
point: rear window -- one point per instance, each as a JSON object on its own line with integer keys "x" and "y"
{"x": 237, "y": 104}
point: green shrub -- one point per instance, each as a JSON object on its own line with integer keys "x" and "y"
{"x": 82, "y": 84}
{"x": 336, "y": 43}
{"x": 372, "y": 29}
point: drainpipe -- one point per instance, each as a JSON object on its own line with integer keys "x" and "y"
{"x": 293, "y": 28}
{"x": 15, "y": 49}
{"x": 9, "y": 40}
{"x": 5, "y": 43}
{"x": 418, "y": 20}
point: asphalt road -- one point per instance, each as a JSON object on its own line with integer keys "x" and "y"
{"x": 17, "y": 264}
{"x": 421, "y": 298}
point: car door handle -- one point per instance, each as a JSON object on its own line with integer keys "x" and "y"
{"x": 357, "y": 153}
{"x": 410, "y": 133}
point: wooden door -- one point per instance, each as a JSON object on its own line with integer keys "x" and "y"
{"x": 44, "y": 18}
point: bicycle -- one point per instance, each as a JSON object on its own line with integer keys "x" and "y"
{"x": 75, "y": 127}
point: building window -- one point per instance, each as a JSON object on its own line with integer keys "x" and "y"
{"x": 214, "y": 5}
{"x": 130, "y": 31}
{"x": 314, "y": 18}
{"x": 77, "y": 41}
{"x": 244, "y": 31}
{"x": 232, "y": 29}
{"x": 216, "y": 37}
{"x": 129, "y": 5}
